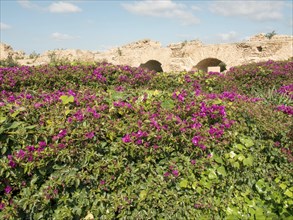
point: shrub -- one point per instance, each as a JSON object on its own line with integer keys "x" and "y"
{"x": 122, "y": 142}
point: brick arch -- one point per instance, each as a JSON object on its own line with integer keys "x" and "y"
{"x": 205, "y": 63}
{"x": 152, "y": 65}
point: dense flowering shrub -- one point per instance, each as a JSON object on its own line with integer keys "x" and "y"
{"x": 122, "y": 142}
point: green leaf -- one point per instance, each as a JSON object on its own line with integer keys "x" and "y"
{"x": 14, "y": 114}
{"x": 288, "y": 193}
{"x": 142, "y": 194}
{"x": 2, "y": 119}
{"x": 67, "y": 112}
{"x": 283, "y": 186}
{"x": 239, "y": 146}
{"x": 248, "y": 142}
{"x": 260, "y": 186}
{"x": 194, "y": 185}
{"x": 117, "y": 95}
{"x": 221, "y": 170}
{"x": 248, "y": 161}
{"x": 30, "y": 127}
{"x": 212, "y": 174}
{"x": 232, "y": 154}
{"x": 15, "y": 124}
{"x": 236, "y": 164}
{"x": 218, "y": 159}
{"x": 168, "y": 104}
{"x": 241, "y": 157}
{"x": 183, "y": 183}
{"x": 66, "y": 99}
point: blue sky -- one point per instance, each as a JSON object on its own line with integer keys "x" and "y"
{"x": 101, "y": 25}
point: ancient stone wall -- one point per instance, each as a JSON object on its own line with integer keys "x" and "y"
{"x": 187, "y": 55}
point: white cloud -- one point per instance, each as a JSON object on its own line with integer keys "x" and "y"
{"x": 165, "y": 9}
{"x": 195, "y": 8}
{"x": 63, "y": 7}
{"x": 4, "y": 26}
{"x": 255, "y": 10}
{"x": 27, "y": 4}
{"x": 59, "y": 36}
{"x": 228, "y": 37}
{"x": 55, "y": 7}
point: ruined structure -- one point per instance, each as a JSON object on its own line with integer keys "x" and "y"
{"x": 191, "y": 55}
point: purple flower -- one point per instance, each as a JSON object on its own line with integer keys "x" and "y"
{"x": 79, "y": 116}
{"x": 138, "y": 142}
{"x": 61, "y": 146}
{"x": 2, "y": 205}
{"x": 30, "y": 148}
{"x": 20, "y": 154}
{"x": 28, "y": 96}
{"x": 156, "y": 147}
{"x": 193, "y": 162}
{"x": 197, "y": 206}
{"x": 126, "y": 138}
{"x": 166, "y": 174}
{"x": 203, "y": 147}
{"x": 90, "y": 135}
{"x": 8, "y": 189}
{"x": 175, "y": 173}
{"x": 102, "y": 182}
{"x": 42, "y": 144}
{"x": 62, "y": 133}
{"x": 38, "y": 105}
{"x": 195, "y": 140}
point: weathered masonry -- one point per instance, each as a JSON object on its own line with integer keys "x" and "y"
{"x": 187, "y": 55}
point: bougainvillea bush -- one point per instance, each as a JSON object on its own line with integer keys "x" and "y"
{"x": 116, "y": 142}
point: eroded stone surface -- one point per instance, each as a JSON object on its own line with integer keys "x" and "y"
{"x": 186, "y": 55}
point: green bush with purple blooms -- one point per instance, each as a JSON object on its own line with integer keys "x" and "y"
{"x": 118, "y": 142}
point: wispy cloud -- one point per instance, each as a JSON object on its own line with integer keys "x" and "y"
{"x": 4, "y": 26}
{"x": 28, "y": 4}
{"x": 255, "y": 10}
{"x": 164, "y": 9}
{"x": 55, "y": 7}
{"x": 228, "y": 37}
{"x": 60, "y": 37}
{"x": 63, "y": 7}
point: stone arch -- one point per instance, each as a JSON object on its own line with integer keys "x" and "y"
{"x": 209, "y": 62}
{"x": 152, "y": 65}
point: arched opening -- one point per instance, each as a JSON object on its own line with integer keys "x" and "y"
{"x": 152, "y": 65}
{"x": 210, "y": 62}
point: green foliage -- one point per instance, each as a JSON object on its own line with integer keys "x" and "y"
{"x": 115, "y": 142}
{"x": 34, "y": 55}
{"x": 9, "y": 62}
{"x": 119, "y": 51}
{"x": 270, "y": 34}
{"x": 55, "y": 60}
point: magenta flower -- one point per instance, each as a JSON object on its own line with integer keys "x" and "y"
{"x": 126, "y": 138}
{"x": 175, "y": 173}
{"x": 42, "y": 144}
{"x": 193, "y": 162}
{"x": 90, "y": 135}
{"x": 8, "y": 189}
{"x": 20, "y": 154}
{"x": 156, "y": 147}
{"x": 195, "y": 140}
{"x": 2, "y": 205}
{"x": 11, "y": 162}
{"x": 30, "y": 148}
{"x": 203, "y": 147}
{"x": 38, "y": 105}
{"x": 166, "y": 174}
